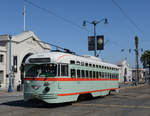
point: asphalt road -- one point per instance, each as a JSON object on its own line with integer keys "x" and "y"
{"x": 129, "y": 102}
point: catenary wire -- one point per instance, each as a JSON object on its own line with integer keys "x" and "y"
{"x": 130, "y": 19}
{"x": 56, "y": 15}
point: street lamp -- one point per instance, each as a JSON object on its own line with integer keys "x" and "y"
{"x": 10, "y": 66}
{"x": 95, "y": 22}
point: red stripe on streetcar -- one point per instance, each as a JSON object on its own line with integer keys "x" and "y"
{"x": 77, "y": 93}
{"x": 67, "y": 79}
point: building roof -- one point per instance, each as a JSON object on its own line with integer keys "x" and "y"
{"x": 24, "y": 36}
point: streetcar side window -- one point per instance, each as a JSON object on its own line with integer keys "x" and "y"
{"x": 94, "y": 65}
{"x": 82, "y": 63}
{"x": 64, "y": 70}
{"x": 86, "y": 64}
{"x": 100, "y": 75}
{"x": 58, "y": 70}
{"x": 93, "y": 74}
{"x": 117, "y": 76}
{"x": 78, "y": 73}
{"x": 73, "y": 73}
{"x": 72, "y": 62}
{"x": 97, "y": 75}
{"x": 110, "y": 75}
{"x": 78, "y": 62}
{"x": 83, "y": 73}
{"x": 87, "y": 73}
{"x": 90, "y": 74}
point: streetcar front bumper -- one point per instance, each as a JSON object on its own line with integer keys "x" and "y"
{"x": 43, "y": 97}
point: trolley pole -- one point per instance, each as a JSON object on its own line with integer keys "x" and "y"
{"x": 10, "y": 65}
{"x": 137, "y": 61}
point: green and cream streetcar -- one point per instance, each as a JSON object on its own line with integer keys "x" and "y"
{"x": 58, "y": 77}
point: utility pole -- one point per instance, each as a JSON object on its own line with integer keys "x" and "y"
{"x": 137, "y": 61}
{"x": 10, "y": 89}
{"x": 95, "y": 22}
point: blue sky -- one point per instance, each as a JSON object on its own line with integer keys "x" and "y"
{"x": 120, "y": 32}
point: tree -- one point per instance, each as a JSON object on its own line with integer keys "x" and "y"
{"x": 145, "y": 59}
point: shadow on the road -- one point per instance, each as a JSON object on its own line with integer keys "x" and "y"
{"x": 21, "y": 103}
{"x": 40, "y": 104}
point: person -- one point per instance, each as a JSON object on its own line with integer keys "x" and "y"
{"x": 133, "y": 81}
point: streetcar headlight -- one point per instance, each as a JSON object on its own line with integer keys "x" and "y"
{"x": 47, "y": 89}
{"x": 27, "y": 82}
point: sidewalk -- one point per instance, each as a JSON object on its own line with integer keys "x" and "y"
{"x": 130, "y": 85}
{"x": 4, "y": 92}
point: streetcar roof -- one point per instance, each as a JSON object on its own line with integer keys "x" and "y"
{"x": 61, "y": 57}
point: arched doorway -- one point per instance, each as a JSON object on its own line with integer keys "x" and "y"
{"x": 22, "y": 67}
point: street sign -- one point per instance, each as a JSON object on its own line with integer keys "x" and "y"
{"x": 100, "y": 42}
{"x": 91, "y": 43}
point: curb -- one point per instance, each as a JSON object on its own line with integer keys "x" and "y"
{"x": 4, "y": 93}
{"x": 131, "y": 87}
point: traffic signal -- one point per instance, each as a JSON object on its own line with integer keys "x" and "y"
{"x": 100, "y": 42}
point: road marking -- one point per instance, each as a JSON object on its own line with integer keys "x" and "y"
{"x": 113, "y": 105}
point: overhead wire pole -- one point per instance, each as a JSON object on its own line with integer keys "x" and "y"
{"x": 10, "y": 88}
{"x": 95, "y": 54}
{"x": 95, "y": 22}
{"x": 137, "y": 60}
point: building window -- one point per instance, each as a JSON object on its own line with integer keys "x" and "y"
{"x": 1, "y": 58}
{"x": 3, "y": 43}
{"x": 1, "y": 76}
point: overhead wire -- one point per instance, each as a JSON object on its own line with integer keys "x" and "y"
{"x": 129, "y": 18}
{"x": 56, "y": 15}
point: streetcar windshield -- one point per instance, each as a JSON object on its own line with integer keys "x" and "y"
{"x": 40, "y": 70}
